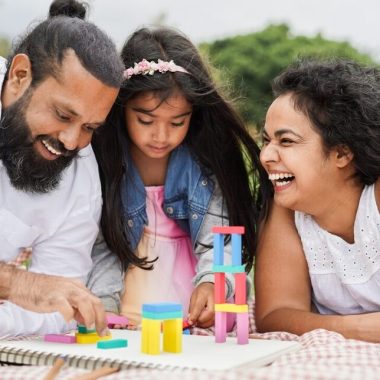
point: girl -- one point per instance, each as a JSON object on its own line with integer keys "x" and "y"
{"x": 319, "y": 258}
{"x": 175, "y": 160}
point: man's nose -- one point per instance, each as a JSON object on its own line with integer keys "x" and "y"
{"x": 70, "y": 136}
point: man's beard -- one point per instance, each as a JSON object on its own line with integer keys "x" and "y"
{"x": 26, "y": 168}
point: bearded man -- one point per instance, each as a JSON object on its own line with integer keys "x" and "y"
{"x": 56, "y": 90}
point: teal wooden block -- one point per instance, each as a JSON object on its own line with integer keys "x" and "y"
{"x": 112, "y": 343}
{"x": 162, "y": 316}
{"x": 84, "y": 330}
{"x": 228, "y": 268}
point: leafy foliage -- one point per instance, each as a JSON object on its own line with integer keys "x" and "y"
{"x": 251, "y": 61}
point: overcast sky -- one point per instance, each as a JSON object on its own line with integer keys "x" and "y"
{"x": 357, "y": 21}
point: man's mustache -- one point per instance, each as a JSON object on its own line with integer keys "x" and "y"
{"x": 57, "y": 145}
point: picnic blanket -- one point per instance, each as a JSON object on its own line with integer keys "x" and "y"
{"x": 324, "y": 355}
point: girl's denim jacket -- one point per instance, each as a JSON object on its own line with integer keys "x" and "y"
{"x": 191, "y": 198}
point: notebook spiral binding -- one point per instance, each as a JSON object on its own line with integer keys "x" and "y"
{"x": 17, "y": 356}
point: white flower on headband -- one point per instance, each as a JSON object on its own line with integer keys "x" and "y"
{"x": 144, "y": 67}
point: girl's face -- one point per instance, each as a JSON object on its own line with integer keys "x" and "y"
{"x": 156, "y": 129}
{"x": 302, "y": 174}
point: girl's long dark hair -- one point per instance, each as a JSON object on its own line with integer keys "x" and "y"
{"x": 217, "y": 137}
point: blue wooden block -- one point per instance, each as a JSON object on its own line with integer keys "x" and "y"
{"x": 218, "y": 249}
{"x": 112, "y": 343}
{"x": 186, "y": 332}
{"x": 163, "y": 307}
{"x": 236, "y": 249}
{"x": 162, "y": 316}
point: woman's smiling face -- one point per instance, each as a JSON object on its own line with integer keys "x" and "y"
{"x": 293, "y": 156}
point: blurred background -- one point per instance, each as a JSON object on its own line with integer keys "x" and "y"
{"x": 248, "y": 42}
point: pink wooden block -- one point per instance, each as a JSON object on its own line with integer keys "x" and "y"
{"x": 240, "y": 288}
{"x": 220, "y": 287}
{"x": 60, "y": 338}
{"x": 220, "y": 327}
{"x": 116, "y": 320}
{"x": 242, "y": 328}
{"x": 228, "y": 230}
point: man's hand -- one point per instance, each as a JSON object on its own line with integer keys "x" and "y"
{"x": 44, "y": 293}
{"x": 201, "y": 309}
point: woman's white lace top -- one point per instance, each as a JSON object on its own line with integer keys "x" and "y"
{"x": 345, "y": 277}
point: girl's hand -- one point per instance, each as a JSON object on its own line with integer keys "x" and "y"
{"x": 201, "y": 309}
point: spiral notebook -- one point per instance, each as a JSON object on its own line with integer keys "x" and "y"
{"x": 199, "y": 353}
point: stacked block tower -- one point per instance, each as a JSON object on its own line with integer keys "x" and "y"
{"x": 240, "y": 306}
{"x": 171, "y": 317}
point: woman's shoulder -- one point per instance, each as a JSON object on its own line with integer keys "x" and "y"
{"x": 377, "y": 193}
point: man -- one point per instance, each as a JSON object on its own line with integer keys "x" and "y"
{"x": 59, "y": 85}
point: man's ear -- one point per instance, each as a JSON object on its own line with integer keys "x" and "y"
{"x": 19, "y": 77}
{"x": 343, "y": 156}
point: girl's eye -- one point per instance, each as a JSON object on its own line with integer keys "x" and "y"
{"x": 144, "y": 122}
{"x": 179, "y": 124}
{"x": 266, "y": 140}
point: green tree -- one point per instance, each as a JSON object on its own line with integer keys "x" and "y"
{"x": 5, "y": 46}
{"x": 250, "y": 62}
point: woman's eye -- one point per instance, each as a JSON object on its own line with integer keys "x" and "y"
{"x": 286, "y": 141}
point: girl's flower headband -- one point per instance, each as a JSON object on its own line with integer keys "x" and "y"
{"x": 144, "y": 67}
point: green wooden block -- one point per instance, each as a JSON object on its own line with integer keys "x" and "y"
{"x": 228, "y": 268}
{"x": 112, "y": 343}
{"x": 162, "y": 316}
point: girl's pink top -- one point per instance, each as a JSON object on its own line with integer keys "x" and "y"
{"x": 171, "y": 278}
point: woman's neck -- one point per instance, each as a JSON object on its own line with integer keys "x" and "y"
{"x": 339, "y": 214}
{"x": 152, "y": 170}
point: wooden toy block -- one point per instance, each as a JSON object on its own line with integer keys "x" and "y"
{"x": 220, "y": 288}
{"x": 236, "y": 249}
{"x": 185, "y": 325}
{"x": 228, "y": 230}
{"x": 162, "y": 316}
{"x": 228, "y": 268}
{"x": 220, "y": 327}
{"x": 163, "y": 307}
{"x": 242, "y": 321}
{"x": 218, "y": 249}
{"x": 240, "y": 288}
{"x": 90, "y": 338}
{"x": 231, "y": 308}
{"x": 150, "y": 336}
{"x": 60, "y": 338}
{"x": 172, "y": 335}
{"x": 112, "y": 343}
{"x": 116, "y": 320}
{"x": 186, "y": 332}
{"x": 84, "y": 330}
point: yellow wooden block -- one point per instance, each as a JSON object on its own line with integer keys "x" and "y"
{"x": 144, "y": 336}
{"x": 231, "y": 308}
{"x": 173, "y": 335}
{"x": 150, "y": 339}
{"x": 90, "y": 338}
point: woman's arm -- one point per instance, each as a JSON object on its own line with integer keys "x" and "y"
{"x": 283, "y": 290}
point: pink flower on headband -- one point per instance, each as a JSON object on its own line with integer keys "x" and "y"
{"x": 144, "y": 67}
